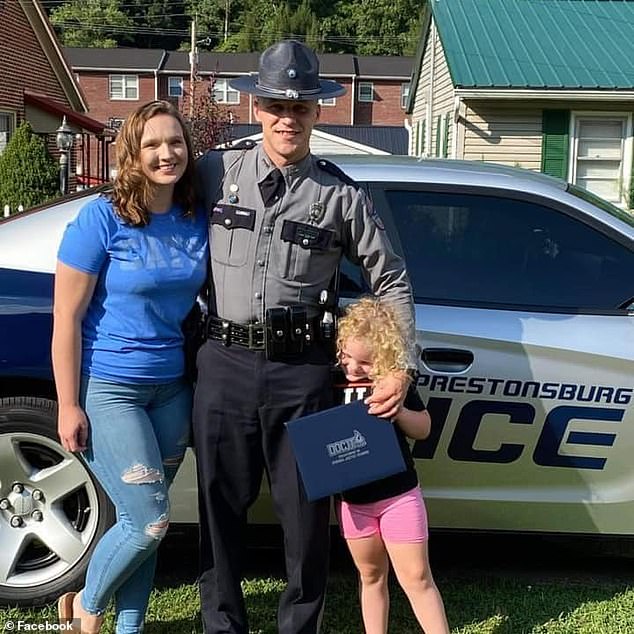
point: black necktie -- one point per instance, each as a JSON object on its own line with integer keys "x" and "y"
{"x": 272, "y": 187}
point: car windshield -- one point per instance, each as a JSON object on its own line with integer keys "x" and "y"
{"x": 613, "y": 210}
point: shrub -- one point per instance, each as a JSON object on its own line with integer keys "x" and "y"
{"x": 28, "y": 173}
{"x": 209, "y": 123}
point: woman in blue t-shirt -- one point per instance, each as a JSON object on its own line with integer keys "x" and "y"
{"x": 129, "y": 268}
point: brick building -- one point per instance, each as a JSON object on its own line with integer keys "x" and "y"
{"x": 115, "y": 81}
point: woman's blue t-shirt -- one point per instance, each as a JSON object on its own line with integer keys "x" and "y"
{"x": 147, "y": 281}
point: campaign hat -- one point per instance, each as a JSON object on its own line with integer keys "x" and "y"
{"x": 288, "y": 70}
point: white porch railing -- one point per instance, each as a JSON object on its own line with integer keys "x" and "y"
{"x": 7, "y": 210}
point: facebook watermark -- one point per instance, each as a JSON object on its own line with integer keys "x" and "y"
{"x": 44, "y": 626}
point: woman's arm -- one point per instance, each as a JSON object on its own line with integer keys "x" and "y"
{"x": 414, "y": 424}
{"x": 73, "y": 292}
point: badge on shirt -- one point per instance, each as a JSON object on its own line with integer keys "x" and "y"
{"x": 316, "y": 212}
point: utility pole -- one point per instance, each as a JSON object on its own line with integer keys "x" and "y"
{"x": 227, "y": 5}
{"x": 193, "y": 62}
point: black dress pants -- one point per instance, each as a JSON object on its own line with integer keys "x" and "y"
{"x": 241, "y": 403}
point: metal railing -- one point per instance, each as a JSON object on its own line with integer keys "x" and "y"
{"x": 6, "y": 212}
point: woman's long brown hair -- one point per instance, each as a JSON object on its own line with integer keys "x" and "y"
{"x": 132, "y": 190}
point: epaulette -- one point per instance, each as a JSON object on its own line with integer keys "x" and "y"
{"x": 244, "y": 144}
{"x": 333, "y": 169}
{"x": 210, "y": 154}
{"x": 227, "y": 157}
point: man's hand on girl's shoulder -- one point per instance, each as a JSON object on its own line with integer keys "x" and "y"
{"x": 388, "y": 395}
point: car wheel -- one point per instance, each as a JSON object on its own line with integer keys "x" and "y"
{"x": 52, "y": 511}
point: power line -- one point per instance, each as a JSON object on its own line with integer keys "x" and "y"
{"x": 114, "y": 29}
{"x": 139, "y": 30}
{"x": 148, "y": 3}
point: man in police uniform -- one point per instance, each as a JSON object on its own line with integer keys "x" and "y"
{"x": 280, "y": 222}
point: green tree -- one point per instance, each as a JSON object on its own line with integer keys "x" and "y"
{"x": 28, "y": 173}
{"x": 248, "y": 38}
{"x": 233, "y": 44}
{"x": 157, "y": 23}
{"x": 97, "y": 23}
{"x": 366, "y": 27}
{"x": 375, "y": 27}
{"x": 304, "y": 25}
{"x": 211, "y": 16}
{"x": 265, "y": 23}
{"x": 255, "y": 25}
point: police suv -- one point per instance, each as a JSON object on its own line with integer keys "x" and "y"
{"x": 524, "y": 291}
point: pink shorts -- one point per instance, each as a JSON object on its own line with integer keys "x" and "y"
{"x": 401, "y": 518}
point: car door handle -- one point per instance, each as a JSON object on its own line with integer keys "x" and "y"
{"x": 446, "y": 359}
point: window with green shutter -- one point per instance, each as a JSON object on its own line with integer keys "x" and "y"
{"x": 555, "y": 142}
{"x": 438, "y": 134}
{"x": 419, "y": 138}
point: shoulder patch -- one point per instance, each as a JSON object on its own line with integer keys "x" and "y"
{"x": 333, "y": 169}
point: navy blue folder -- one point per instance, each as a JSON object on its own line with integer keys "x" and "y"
{"x": 343, "y": 447}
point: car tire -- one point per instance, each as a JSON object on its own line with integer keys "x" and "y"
{"x": 52, "y": 510}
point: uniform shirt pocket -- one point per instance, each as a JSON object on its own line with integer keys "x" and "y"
{"x": 304, "y": 244}
{"x": 231, "y": 231}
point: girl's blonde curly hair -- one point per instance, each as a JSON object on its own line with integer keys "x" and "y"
{"x": 378, "y": 327}
{"x": 132, "y": 190}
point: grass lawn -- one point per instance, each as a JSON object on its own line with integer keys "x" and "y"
{"x": 492, "y": 596}
{"x": 489, "y": 606}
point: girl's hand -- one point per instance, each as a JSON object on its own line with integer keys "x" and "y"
{"x": 72, "y": 428}
{"x": 388, "y": 395}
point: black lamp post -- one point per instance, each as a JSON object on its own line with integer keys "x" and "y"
{"x": 64, "y": 141}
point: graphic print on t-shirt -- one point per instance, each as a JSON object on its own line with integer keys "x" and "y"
{"x": 353, "y": 391}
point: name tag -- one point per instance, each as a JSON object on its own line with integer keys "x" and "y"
{"x": 232, "y": 217}
{"x": 307, "y": 236}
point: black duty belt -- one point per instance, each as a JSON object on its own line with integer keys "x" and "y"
{"x": 285, "y": 332}
{"x": 251, "y": 336}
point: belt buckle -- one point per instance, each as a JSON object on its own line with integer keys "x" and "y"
{"x": 253, "y": 330}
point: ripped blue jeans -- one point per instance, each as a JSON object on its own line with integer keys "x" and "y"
{"x": 138, "y": 434}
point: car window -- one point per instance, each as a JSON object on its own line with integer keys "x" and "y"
{"x": 487, "y": 249}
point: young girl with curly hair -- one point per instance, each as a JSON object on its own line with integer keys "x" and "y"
{"x": 385, "y": 521}
{"x": 129, "y": 268}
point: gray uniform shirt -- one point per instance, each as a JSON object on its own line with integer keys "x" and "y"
{"x": 287, "y": 252}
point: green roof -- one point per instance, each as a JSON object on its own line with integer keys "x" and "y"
{"x": 565, "y": 44}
